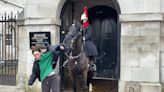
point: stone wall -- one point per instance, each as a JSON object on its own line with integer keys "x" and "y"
{"x": 140, "y": 6}
{"x": 9, "y": 6}
{"x": 162, "y": 48}
{"x": 140, "y": 45}
{"x": 162, "y": 7}
{"x": 162, "y": 54}
{"x": 140, "y": 52}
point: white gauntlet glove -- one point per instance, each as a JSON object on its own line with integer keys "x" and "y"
{"x": 62, "y": 47}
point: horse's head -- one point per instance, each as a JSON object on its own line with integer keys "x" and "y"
{"x": 73, "y": 34}
{"x": 77, "y": 39}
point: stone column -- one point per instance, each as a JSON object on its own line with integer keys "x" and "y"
{"x": 39, "y": 16}
{"x": 162, "y": 54}
{"x": 140, "y": 52}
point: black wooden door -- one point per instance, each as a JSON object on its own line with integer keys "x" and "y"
{"x": 104, "y": 24}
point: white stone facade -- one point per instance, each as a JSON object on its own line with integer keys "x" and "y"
{"x": 141, "y": 46}
{"x": 9, "y": 6}
{"x": 142, "y": 40}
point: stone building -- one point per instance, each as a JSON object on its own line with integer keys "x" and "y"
{"x": 132, "y": 29}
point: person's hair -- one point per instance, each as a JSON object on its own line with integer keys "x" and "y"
{"x": 35, "y": 48}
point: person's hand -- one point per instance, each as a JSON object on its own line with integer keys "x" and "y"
{"x": 62, "y": 47}
{"x": 30, "y": 86}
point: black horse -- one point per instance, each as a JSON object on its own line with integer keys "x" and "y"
{"x": 77, "y": 60}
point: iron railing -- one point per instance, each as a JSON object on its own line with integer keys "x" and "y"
{"x": 8, "y": 49}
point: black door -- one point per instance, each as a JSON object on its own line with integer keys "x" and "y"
{"x": 104, "y": 24}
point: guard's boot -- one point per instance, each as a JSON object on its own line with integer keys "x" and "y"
{"x": 92, "y": 67}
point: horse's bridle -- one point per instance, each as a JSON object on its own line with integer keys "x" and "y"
{"x": 71, "y": 47}
{"x": 73, "y": 57}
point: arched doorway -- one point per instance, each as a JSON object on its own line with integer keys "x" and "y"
{"x": 103, "y": 17}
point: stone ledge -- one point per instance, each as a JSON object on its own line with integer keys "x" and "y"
{"x": 141, "y": 17}
{"x": 15, "y": 3}
{"x": 151, "y": 87}
{"x": 42, "y": 21}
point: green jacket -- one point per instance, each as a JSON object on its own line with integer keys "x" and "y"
{"x": 45, "y": 64}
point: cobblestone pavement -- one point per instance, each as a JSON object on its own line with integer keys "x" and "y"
{"x": 104, "y": 86}
{"x": 9, "y": 89}
{"x": 100, "y": 85}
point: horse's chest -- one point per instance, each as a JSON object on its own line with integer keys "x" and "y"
{"x": 75, "y": 65}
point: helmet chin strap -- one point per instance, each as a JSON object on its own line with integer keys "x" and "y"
{"x": 85, "y": 20}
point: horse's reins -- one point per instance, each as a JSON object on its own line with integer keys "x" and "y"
{"x": 74, "y": 57}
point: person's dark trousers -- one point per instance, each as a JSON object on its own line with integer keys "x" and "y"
{"x": 51, "y": 84}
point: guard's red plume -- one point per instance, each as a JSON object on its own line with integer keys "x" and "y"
{"x": 86, "y": 11}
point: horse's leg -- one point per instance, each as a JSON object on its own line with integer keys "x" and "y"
{"x": 89, "y": 80}
{"x": 85, "y": 87}
{"x": 74, "y": 81}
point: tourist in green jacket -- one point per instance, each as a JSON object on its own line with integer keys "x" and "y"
{"x": 47, "y": 64}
